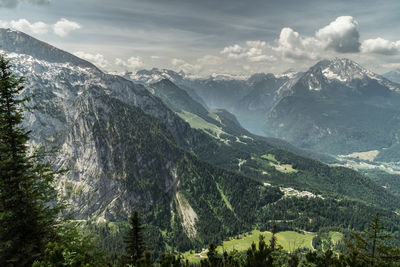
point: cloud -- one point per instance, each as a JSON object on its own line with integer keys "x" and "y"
{"x": 253, "y": 52}
{"x": 15, "y": 3}
{"x": 341, "y": 35}
{"x": 256, "y": 44}
{"x": 25, "y": 26}
{"x": 96, "y": 59}
{"x": 292, "y": 45}
{"x": 262, "y": 58}
{"x": 209, "y": 60}
{"x": 181, "y": 64}
{"x": 133, "y": 63}
{"x": 380, "y": 46}
{"x": 155, "y": 57}
{"x": 233, "y": 51}
{"x": 63, "y": 27}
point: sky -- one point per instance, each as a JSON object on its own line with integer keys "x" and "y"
{"x": 214, "y": 36}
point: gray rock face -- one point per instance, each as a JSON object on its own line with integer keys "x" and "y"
{"x": 77, "y": 101}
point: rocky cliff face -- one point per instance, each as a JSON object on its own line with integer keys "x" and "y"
{"x": 76, "y": 103}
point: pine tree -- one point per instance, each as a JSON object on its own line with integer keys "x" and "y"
{"x": 27, "y": 218}
{"x": 372, "y": 247}
{"x": 135, "y": 245}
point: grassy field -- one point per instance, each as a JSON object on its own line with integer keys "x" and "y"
{"x": 198, "y": 123}
{"x": 289, "y": 240}
{"x": 285, "y": 168}
{"x": 335, "y": 237}
{"x": 367, "y": 156}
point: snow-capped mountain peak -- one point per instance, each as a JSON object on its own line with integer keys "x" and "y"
{"x": 344, "y": 71}
{"x": 155, "y": 75}
{"x": 18, "y": 42}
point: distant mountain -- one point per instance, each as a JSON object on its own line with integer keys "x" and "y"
{"x": 219, "y": 123}
{"x": 393, "y": 75}
{"x": 156, "y": 75}
{"x": 264, "y": 91}
{"x": 176, "y": 98}
{"x": 329, "y": 108}
{"x": 247, "y": 97}
{"x": 253, "y": 155}
{"x": 338, "y": 107}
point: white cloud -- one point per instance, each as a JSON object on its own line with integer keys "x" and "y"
{"x": 155, "y": 57}
{"x": 209, "y": 60}
{"x": 341, "y": 35}
{"x": 262, "y": 58}
{"x": 391, "y": 65}
{"x": 256, "y": 44}
{"x": 233, "y": 51}
{"x": 292, "y": 45}
{"x": 63, "y": 27}
{"x": 253, "y": 52}
{"x": 181, "y": 64}
{"x": 96, "y": 59}
{"x": 177, "y": 61}
{"x": 380, "y": 46}
{"x": 24, "y": 25}
{"x": 133, "y": 63}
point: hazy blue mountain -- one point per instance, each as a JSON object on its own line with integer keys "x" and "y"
{"x": 250, "y": 154}
{"x": 219, "y": 123}
{"x": 393, "y": 75}
{"x": 338, "y": 107}
{"x": 156, "y": 75}
{"x": 247, "y": 97}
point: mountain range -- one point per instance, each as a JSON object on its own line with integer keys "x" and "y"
{"x": 196, "y": 175}
{"x": 336, "y": 107}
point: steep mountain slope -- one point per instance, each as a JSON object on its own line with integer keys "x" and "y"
{"x": 249, "y": 98}
{"x": 156, "y": 75}
{"x": 265, "y": 159}
{"x": 339, "y": 107}
{"x": 220, "y": 124}
{"x": 264, "y": 91}
{"x": 176, "y": 98}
